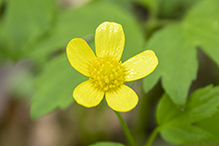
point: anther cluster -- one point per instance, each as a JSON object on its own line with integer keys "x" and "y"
{"x": 107, "y": 73}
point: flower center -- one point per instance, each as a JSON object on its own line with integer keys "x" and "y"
{"x": 107, "y": 73}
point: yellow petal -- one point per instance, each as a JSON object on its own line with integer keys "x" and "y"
{"x": 140, "y": 65}
{"x": 123, "y": 99}
{"x": 109, "y": 40}
{"x": 80, "y": 55}
{"x": 87, "y": 95}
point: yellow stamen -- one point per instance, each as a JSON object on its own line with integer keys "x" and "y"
{"x": 107, "y": 73}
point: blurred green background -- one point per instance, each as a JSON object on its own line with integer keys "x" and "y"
{"x": 37, "y": 81}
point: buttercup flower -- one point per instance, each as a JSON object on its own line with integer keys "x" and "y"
{"x": 107, "y": 74}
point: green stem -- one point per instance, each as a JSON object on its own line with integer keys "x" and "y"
{"x": 152, "y": 136}
{"x": 126, "y": 129}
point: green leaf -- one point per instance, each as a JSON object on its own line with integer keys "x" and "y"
{"x": 177, "y": 62}
{"x": 82, "y": 23}
{"x": 201, "y": 144}
{"x": 54, "y": 87}
{"x": 178, "y": 125}
{"x": 121, "y": 3}
{"x": 24, "y": 22}
{"x": 107, "y": 144}
{"x": 175, "y": 46}
{"x": 209, "y": 124}
{"x": 202, "y": 27}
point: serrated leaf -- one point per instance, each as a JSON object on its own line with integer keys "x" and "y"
{"x": 107, "y": 144}
{"x": 176, "y": 46}
{"x": 177, "y": 125}
{"x": 177, "y": 62}
{"x": 24, "y": 21}
{"x": 54, "y": 87}
{"x": 209, "y": 124}
{"x": 82, "y": 23}
{"x": 202, "y": 27}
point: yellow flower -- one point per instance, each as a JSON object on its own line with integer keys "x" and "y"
{"x": 107, "y": 74}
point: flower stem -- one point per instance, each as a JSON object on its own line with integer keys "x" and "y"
{"x": 126, "y": 129}
{"x": 152, "y": 136}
